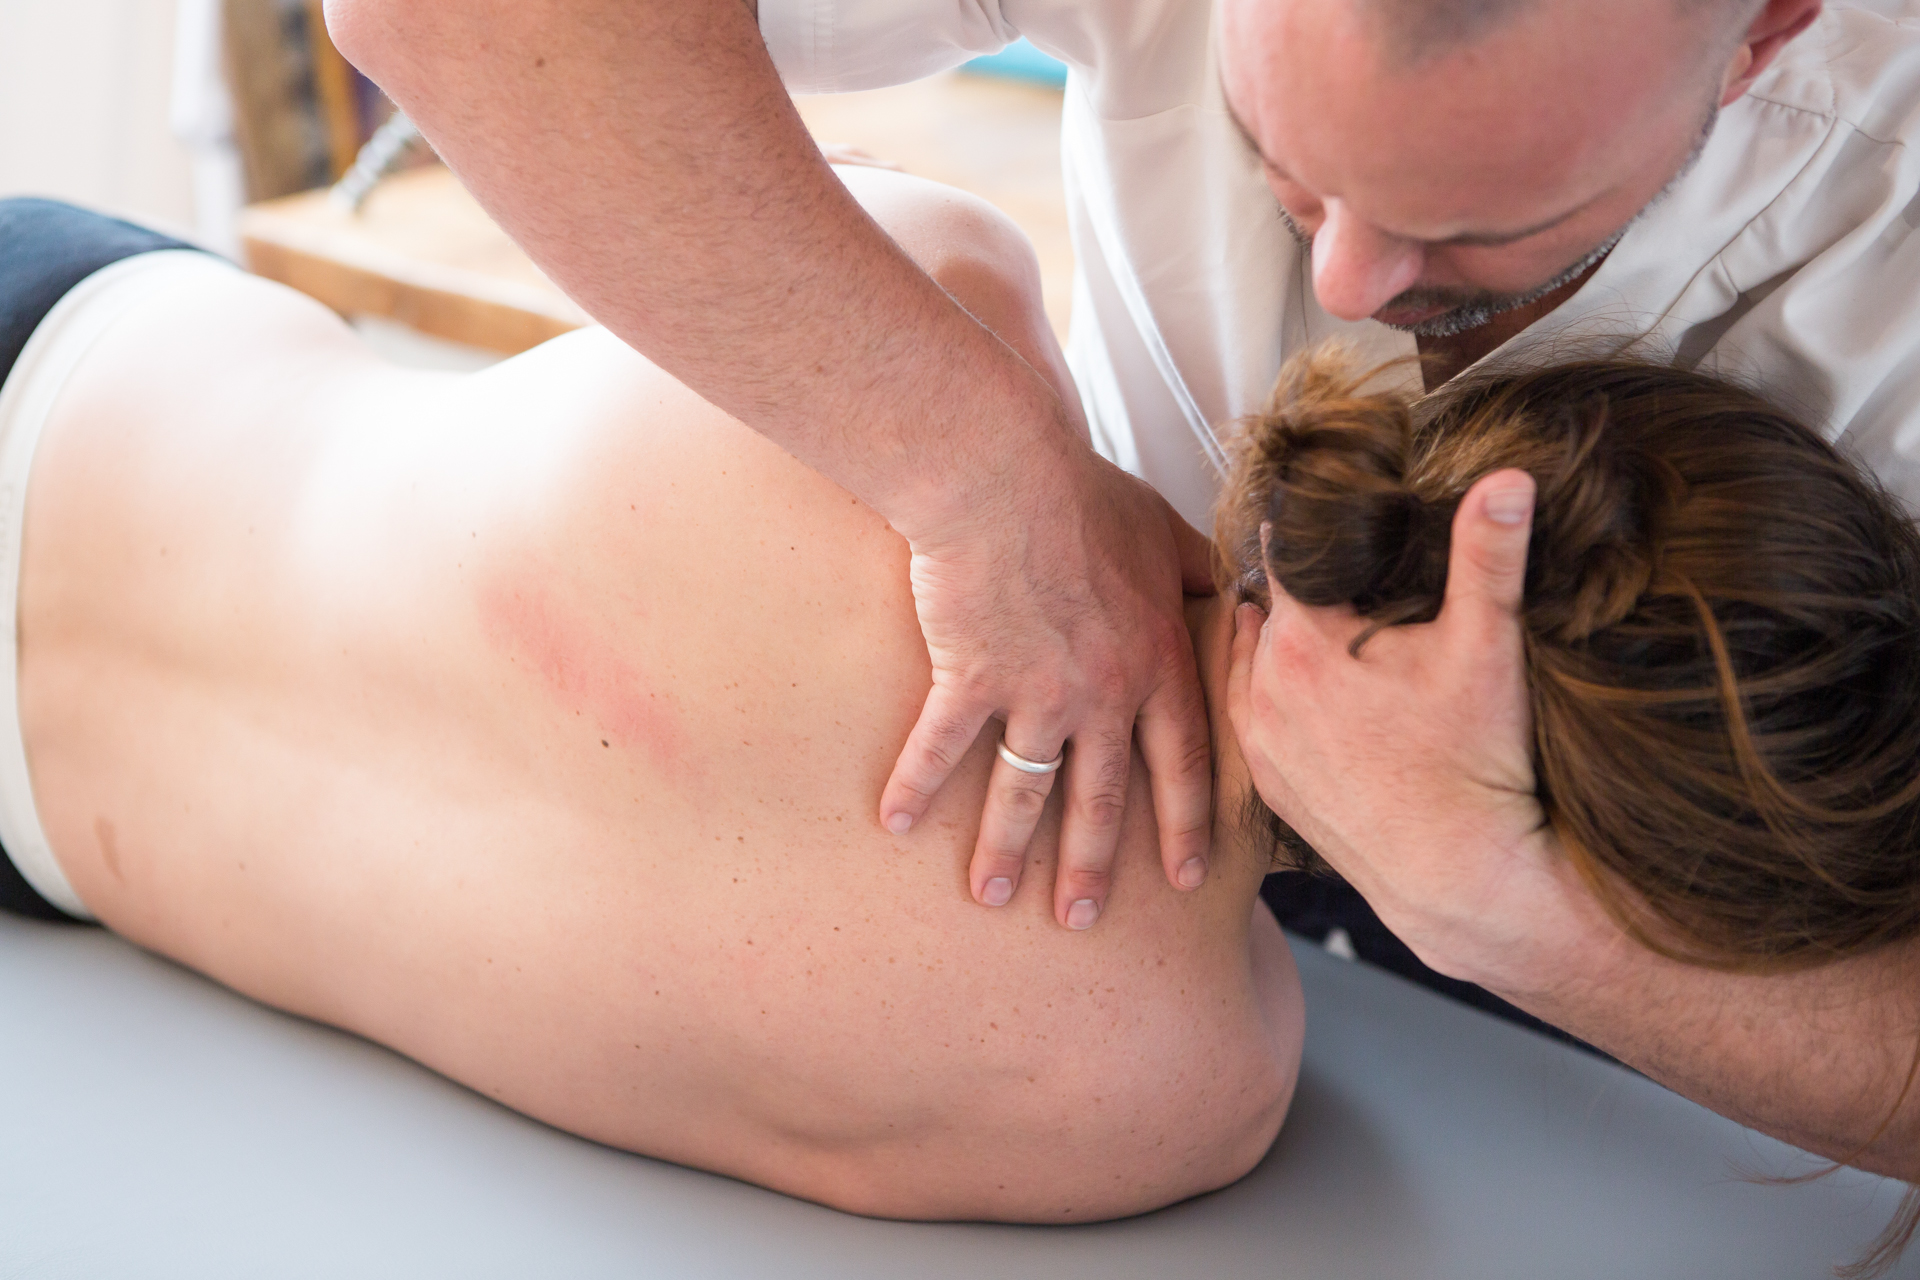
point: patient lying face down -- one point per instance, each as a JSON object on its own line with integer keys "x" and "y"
{"x": 533, "y": 722}
{"x": 1722, "y": 628}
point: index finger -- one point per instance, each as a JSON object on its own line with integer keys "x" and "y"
{"x": 940, "y": 739}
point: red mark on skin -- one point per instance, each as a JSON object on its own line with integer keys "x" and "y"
{"x": 586, "y": 668}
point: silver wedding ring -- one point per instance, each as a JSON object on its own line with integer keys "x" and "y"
{"x": 1025, "y": 765}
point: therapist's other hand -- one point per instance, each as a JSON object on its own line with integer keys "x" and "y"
{"x": 1409, "y": 768}
{"x": 1055, "y": 605}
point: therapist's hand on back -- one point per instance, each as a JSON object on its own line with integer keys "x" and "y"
{"x": 647, "y": 156}
{"x": 1055, "y": 604}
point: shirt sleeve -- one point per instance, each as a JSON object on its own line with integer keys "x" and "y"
{"x": 834, "y": 46}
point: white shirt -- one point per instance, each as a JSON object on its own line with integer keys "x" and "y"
{"x": 1788, "y": 258}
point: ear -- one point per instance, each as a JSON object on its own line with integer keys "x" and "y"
{"x": 1777, "y": 22}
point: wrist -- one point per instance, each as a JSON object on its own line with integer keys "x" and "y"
{"x": 1527, "y": 937}
{"x": 1013, "y": 465}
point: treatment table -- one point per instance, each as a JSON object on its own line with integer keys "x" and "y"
{"x": 154, "y": 1125}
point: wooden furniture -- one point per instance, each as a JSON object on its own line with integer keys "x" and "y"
{"x": 423, "y": 253}
{"x": 296, "y": 102}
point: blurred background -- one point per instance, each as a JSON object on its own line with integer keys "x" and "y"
{"x": 236, "y": 124}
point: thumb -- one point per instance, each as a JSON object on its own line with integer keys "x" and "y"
{"x": 1487, "y": 564}
{"x": 1196, "y": 556}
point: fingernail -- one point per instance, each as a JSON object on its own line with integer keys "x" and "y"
{"x": 1193, "y": 873}
{"x": 997, "y": 892}
{"x": 899, "y": 823}
{"x": 1082, "y": 914}
{"x": 1509, "y": 506}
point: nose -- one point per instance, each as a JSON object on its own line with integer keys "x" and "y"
{"x": 1357, "y": 268}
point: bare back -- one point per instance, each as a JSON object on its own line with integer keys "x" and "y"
{"x": 533, "y": 722}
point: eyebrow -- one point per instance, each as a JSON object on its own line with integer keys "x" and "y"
{"x": 1487, "y": 240}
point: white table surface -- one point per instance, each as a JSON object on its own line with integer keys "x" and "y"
{"x": 154, "y": 1125}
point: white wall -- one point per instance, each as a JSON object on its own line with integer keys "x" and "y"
{"x": 84, "y": 95}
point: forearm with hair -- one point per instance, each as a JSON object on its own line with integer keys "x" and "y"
{"x": 646, "y": 155}
{"x": 1817, "y": 1058}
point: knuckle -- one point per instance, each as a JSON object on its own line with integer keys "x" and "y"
{"x": 1101, "y": 808}
{"x": 1181, "y": 701}
{"x": 1023, "y": 804}
{"x": 1189, "y": 762}
{"x": 1003, "y": 855}
{"x": 1197, "y": 822}
{"x": 977, "y": 688}
{"x": 1049, "y": 701}
{"x": 1086, "y": 882}
{"x": 949, "y": 731}
{"x": 937, "y": 758}
{"x": 941, "y": 747}
{"x": 1172, "y": 644}
{"x": 911, "y": 792}
{"x": 1110, "y": 683}
{"x": 1109, "y": 760}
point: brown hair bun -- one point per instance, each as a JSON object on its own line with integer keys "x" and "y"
{"x": 1722, "y": 626}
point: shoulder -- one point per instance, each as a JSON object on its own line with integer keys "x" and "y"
{"x": 1820, "y": 151}
{"x": 1857, "y": 68}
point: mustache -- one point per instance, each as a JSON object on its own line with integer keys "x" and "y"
{"x": 1421, "y": 297}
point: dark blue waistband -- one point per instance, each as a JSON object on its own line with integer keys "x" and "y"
{"x": 46, "y": 248}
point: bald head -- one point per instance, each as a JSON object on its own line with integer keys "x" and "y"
{"x": 1500, "y": 154}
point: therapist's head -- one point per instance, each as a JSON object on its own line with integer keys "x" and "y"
{"x": 1450, "y": 159}
{"x": 1721, "y": 623}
